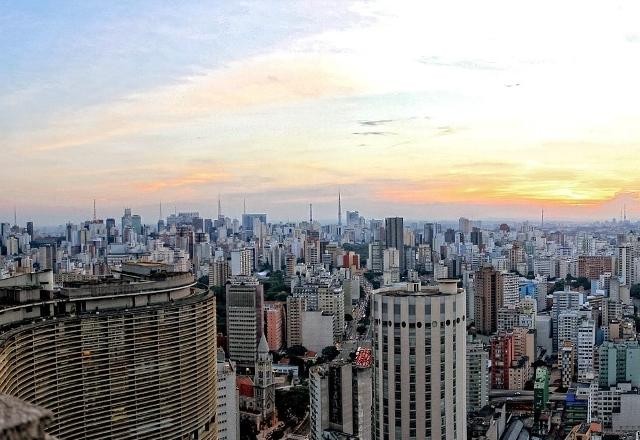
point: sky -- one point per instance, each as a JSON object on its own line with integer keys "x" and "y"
{"x": 428, "y": 110}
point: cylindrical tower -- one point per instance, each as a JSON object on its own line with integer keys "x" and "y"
{"x": 419, "y": 340}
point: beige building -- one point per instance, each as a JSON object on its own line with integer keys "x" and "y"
{"x": 419, "y": 344}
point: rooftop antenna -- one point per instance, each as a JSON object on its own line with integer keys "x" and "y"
{"x": 339, "y": 209}
{"x": 95, "y": 217}
{"x": 542, "y": 226}
{"x": 244, "y": 205}
{"x": 310, "y": 212}
{"x": 160, "y": 210}
{"x": 625, "y": 212}
{"x": 15, "y": 216}
{"x": 219, "y": 206}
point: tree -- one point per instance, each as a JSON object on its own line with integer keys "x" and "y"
{"x": 348, "y": 317}
{"x": 296, "y": 350}
{"x": 248, "y": 429}
{"x": 292, "y": 404}
{"x": 330, "y": 353}
{"x": 584, "y": 282}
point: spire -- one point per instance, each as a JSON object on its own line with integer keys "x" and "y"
{"x": 15, "y": 216}
{"x": 219, "y": 206}
{"x": 310, "y": 212}
{"x": 263, "y": 347}
{"x": 244, "y": 205}
{"x": 160, "y": 210}
{"x": 95, "y": 217}
{"x": 339, "y": 209}
{"x": 542, "y": 224}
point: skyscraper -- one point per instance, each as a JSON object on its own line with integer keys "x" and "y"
{"x": 477, "y": 376}
{"x": 419, "y": 343}
{"x": 340, "y": 400}
{"x": 129, "y": 358}
{"x": 394, "y": 238}
{"x": 244, "y": 319}
{"x": 487, "y": 300}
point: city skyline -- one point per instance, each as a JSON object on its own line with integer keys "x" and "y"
{"x": 497, "y": 112}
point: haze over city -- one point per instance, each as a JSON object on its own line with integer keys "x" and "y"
{"x": 491, "y": 109}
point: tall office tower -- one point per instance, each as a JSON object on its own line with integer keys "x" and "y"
{"x": 586, "y": 344}
{"x": 242, "y": 262}
{"x": 244, "y": 319}
{"x": 477, "y": 375}
{"x": 563, "y": 301}
{"x": 274, "y": 324}
{"x": 128, "y": 358}
{"x": 624, "y": 264}
{"x": 248, "y": 221}
{"x": 419, "y": 343}
{"x": 376, "y": 257}
{"x": 296, "y": 306}
{"x": 509, "y": 288}
{"x": 487, "y": 299}
{"x": 264, "y": 386}
{"x": 428, "y": 234}
{"x": 502, "y": 356}
{"x": 464, "y": 225}
{"x": 340, "y": 400}
{"x": 228, "y": 400}
{"x": 394, "y": 237}
{"x": 30, "y": 229}
{"x": 391, "y": 266}
{"x": 566, "y": 362}
{"x": 290, "y": 267}
{"x": 219, "y": 272}
{"x": 353, "y": 218}
{"x": 331, "y": 300}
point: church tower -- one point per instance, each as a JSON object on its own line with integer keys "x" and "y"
{"x": 265, "y": 393}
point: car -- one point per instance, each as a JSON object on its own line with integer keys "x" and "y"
{"x": 517, "y": 393}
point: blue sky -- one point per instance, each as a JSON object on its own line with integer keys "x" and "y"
{"x": 422, "y": 109}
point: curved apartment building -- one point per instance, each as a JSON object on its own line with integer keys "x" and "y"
{"x": 127, "y": 358}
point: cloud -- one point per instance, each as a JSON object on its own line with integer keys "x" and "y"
{"x": 272, "y": 79}
{"x": 376, "y": 122}
{"x": 375, "y": 133}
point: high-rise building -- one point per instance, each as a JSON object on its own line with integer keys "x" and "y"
{"x": 586, "y": 343}
{"x": 340, "y": 401}
{"x": 274, "y": 324}
{"x": 477, "y": 375}
{"x": 242, "y": 262}
{"x": 245, "y": 308}
{"x": 541, "y": 389}
{"x": 248, "y": 221}
{"x": 487, "y": 299}
{"x": 120, "y": 359}
{"x": 376, "y": 257}
{"x": 296, "y": 306}
{"x": 624, "y": 264}
{"x": 619, "y": 362}
{"x": 594, "y": 266}
{"x": 394, "y": 237}
{"x": 228, "y": 400}
{"x": 419, "y": 343}
{"x": 219, "y": 272}
{"x": 566, "y": 362}
{"x": 502, "y": 357}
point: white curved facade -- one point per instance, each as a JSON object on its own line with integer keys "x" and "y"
{"x": 120, "y": 372}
